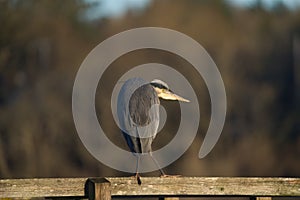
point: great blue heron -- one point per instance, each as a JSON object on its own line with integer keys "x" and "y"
{"x": 138, "y": 114}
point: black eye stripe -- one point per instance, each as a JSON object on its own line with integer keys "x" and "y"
{"x": 159, "y": 86}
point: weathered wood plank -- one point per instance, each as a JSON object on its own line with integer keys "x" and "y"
{"x": 168, "y": 198}
{"x": 154, "y": 186}
{"x": 260, "y": 198}
{"x": 44, "y": 187}
{"x": 206, "y": 186}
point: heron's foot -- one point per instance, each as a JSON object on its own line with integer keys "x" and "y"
{"x": 138, "y": 178}
{"x": 169, "y": 176}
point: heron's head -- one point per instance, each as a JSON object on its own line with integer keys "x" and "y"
{"x": 163, "y": 91}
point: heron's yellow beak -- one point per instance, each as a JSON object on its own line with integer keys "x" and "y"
{"x": 168, "y": 95}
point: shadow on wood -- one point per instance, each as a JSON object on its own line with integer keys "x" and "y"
{"x": 97, "y": 189}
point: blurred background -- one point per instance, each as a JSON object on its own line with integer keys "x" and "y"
{"x": 255, "y": 44}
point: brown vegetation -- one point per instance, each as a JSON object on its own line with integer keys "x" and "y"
{"x": 42, "y": 44}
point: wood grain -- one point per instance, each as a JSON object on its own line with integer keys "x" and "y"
{"x": 98, "y": 189}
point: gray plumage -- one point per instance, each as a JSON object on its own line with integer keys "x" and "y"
{"x": 138, "y": 113}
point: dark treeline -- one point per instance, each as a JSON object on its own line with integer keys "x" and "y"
{"x": 42, "y": 44}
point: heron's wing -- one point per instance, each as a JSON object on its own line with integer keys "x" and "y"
{"x": 138, "y": 145}
{"x": 138, "y": 114}
{"x": 133, "y": 143}
{"x": 144, "y": 113}
{"x": 143, "y": 106}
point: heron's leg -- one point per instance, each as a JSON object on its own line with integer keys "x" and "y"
{"x": 138, "y": 178}
{"x": 137, "y": 163}
{"x": 162, "y": 173}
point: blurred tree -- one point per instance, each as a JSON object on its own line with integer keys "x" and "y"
{"x": 42, "y": 44}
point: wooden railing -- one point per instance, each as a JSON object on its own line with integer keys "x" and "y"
{"x": 162, "y": 188}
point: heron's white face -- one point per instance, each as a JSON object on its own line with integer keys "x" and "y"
{"x": 164, "y": 92}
